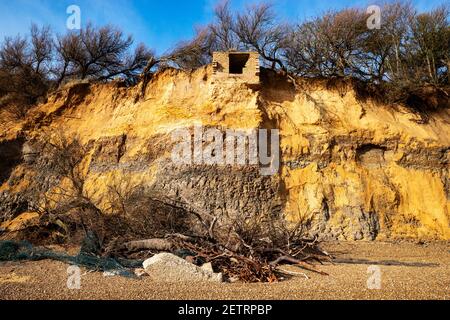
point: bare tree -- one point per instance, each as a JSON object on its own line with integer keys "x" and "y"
{"x": 102, "y": 51}
{"x": 42, "y": 48}
{"x": 67, "y": 47}
{"x": 24, "y": 67}
{"x": 14, "y": 53}
{"x": 430, "y": 45}
{"x": 329, "y": 45}
{"x": 305, "y": 53}
{"x": 195, "y": 53}
{"x": 58, "y": 186}
{"x": 258, "y": 30}
{"x": 381, "y": 48}
{"x": 223, "y": 29}
{"x": 132, "y": 65}
{"x": 59, "y": 171}
{"x": 100, "y": 54}
{"x": 255, "y": 29}
{"x": 391, "y": 40}
{"x": 217, "y": 36}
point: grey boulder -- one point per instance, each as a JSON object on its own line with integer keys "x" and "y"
{"x": 166, "y": 267}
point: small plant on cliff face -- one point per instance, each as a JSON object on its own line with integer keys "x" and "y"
{"x": 131, "y": 212}
{"x": 57, "y": 189}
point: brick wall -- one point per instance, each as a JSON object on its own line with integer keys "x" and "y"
{"x": 221, "y": 67}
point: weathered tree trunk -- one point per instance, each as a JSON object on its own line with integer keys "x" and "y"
{"x": 150, "y": 244}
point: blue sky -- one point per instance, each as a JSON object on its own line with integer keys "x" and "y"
{"x": 158, "y": 23}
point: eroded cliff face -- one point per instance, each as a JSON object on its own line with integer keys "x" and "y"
{"x": 350, "y": 168}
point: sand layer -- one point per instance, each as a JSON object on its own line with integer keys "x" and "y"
{"x": 420, "y": 271}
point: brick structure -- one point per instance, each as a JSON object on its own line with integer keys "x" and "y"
{"x": 236, "y": 65}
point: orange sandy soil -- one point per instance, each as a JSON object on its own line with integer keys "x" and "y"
{"x": 428, "y": 279}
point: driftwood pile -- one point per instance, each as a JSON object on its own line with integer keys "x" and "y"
{"x": 257, "y": 263}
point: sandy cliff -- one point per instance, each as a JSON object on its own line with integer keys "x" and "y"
{"x": 351, "y": 168}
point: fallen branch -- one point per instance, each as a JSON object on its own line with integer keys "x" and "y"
{"x": 150, "y": 244}
{"x": 292, "y": 273}
{"x": 297, "y": 262}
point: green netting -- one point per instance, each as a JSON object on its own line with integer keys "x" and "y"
{"x": 88, "y": 256}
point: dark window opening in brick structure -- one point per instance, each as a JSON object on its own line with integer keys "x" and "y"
{"x": 238, "y": 61}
